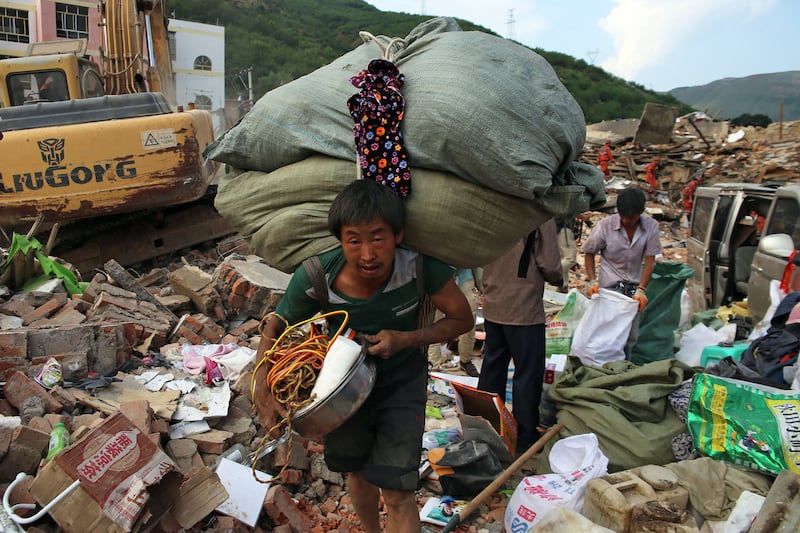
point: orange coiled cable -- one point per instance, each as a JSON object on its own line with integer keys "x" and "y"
{"x": 295, "y": 360}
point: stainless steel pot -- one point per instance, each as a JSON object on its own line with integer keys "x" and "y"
{"x": 327, "y": 414}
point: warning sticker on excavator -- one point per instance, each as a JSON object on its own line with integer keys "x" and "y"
{"x": 156, "y": 139}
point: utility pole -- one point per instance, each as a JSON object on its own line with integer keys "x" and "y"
{"x": 511, "y": 23}
{"x": 250, "y": 86}
{"x": 592, "y": 55}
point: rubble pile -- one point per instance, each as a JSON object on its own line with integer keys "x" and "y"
{"x": 712, "y": 152}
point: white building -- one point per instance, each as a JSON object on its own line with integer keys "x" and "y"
{"x": 198, "y": 61}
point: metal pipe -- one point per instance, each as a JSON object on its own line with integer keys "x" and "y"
{"x": 20, "y": 520}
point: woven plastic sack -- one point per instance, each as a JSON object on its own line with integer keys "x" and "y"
{"x": 662, "y": 316}
{"x": 603, "y": 331}
{"x": 559, "y": 330}
{"x": 284, "y": 214}
{"x": 478, "y": 106}
{"x": 747, "y": 424}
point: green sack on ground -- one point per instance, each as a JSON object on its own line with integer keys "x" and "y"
{"x": 747, "y": 424}
{"x": 662, "y": 316}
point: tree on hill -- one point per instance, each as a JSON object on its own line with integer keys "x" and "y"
{"x": 282, "y": 40}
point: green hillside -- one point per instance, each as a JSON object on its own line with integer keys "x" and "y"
{"x": 284, "y": 39}
{"x": 757, "y": 94}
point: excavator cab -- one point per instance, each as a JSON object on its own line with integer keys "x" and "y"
{"x": 48, "y": 78}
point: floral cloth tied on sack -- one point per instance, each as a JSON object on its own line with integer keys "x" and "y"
{"x": 377, "y": 110}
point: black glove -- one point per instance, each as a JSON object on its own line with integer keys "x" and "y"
{"x": 92, "y": 384}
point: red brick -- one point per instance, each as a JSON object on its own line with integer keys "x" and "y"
{"x": 237, "y": 301}
{"x": 6, "y": 409}
{"x": 8, "y": 365}
{"x": 13, "y": 344}
{"x": 240, "y": 286}
{"x": 193, "y": 322}
{"x": 283, "y": 510}
{"x": 67, "y": 316}
{"x": 35, "y": 361}
{"x": 291, "y": 476}
{"x": 211, "y": 335}
{"x": 16, "y": 307}
{"x": 247, "y": 328}
{"x": 43, "y": 311}
{"x": 252, "y": 292}
{"x": 19, "y": 386}
{"x": 190, "y": 335}
{"x": 32, "y": 438}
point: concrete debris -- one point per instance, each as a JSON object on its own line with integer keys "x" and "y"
{"x": 125, "y": 345}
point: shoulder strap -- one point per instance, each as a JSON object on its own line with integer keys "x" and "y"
{"x": 316, "y": 275}
{"x": 426, "y": 311}
{"x": 525, "y": 258}
{"x": 420, "y": 277}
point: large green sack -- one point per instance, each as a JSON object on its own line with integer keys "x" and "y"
{"x": 662, "y": 316}
{"x": 625, "y": 405}
{"x": 478, "y": 106}
{"x": 284, "y": 214}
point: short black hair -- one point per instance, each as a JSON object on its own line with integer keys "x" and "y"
{"x": 631, "y": 202}
{"x": 362, "y": 201}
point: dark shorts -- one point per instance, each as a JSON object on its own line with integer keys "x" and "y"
{"x": 384, "y": 438}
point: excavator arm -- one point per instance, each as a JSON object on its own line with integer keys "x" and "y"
{"x": 136, "y": 40}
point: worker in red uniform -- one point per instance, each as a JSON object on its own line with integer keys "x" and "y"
{"x": 604, "y": 157}
{"x": 650, "y": 172}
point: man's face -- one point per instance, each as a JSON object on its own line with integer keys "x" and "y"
{"x": 369, "y": 249}
{"x": 630, "y": 221}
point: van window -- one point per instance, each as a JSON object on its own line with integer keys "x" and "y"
{"x": 703, "y": 210}
{"x": 785, "y": 219}
{"x": 701, "y": 217}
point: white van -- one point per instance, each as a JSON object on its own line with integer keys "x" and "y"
{"x": 741, "y": 237}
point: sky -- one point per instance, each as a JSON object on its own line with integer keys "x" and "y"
{"x": 660, "y": 44}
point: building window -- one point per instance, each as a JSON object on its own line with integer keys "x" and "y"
{"x": 202, "y": 63}
{"x": 173, "y": 54}
{"x": 72, "y": 22}
{"x": 202, "y": 101}
{"x": 14, "y": 25}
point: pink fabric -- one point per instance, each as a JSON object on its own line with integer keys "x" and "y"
{"x": 193, "y": 355}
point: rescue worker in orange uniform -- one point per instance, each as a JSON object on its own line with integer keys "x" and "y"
{"x": 604, "y": 157}
{"x": 650, "y": 172}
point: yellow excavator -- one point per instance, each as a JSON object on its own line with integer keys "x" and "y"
{"x": 81, "y": 139}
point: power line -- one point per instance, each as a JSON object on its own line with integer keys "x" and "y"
{"x": 511, "y": 23}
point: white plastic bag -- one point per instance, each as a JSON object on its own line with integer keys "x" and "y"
{"x": 603, "y": 331}
{"x": 775, "y": 297}
{"x": 694, "y": 340}
{"x": 578, "y": 459}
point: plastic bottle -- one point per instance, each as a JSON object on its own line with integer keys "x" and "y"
{"x": 59, "y": 440}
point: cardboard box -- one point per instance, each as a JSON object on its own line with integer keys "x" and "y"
{"x": 126, "y": 482}
{"x": 487, "y": 405}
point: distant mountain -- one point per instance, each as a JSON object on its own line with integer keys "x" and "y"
{"x": 757, "y": 94}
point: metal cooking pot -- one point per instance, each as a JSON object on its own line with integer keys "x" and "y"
{"x": 326, "y": 414}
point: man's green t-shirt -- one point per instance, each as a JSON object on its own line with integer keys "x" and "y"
{"x": 393, "y": 306}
